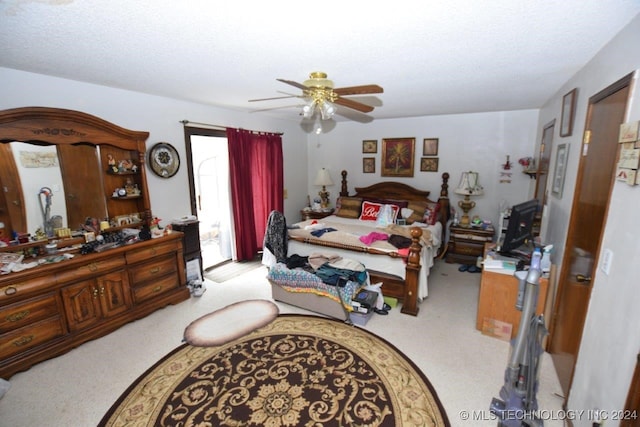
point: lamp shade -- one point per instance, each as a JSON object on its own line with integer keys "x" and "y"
{"x": 323, "y": 178}
{"x": 469, "y": 184}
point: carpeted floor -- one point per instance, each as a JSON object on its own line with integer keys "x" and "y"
{"x": 296, "y": 370}
{"x": 230, "y": 270}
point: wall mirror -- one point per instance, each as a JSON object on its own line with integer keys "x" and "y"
{"x": 68, "y": 164}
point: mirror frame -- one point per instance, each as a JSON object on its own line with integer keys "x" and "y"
{"x": 58, "y": 126}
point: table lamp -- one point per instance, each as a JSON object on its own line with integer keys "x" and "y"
{"x": 467, "y": 187}
{"x": 323, "y": 178}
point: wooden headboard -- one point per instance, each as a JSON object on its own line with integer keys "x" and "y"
{"x": 401, "y": 191}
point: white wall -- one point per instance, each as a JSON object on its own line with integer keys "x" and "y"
{"x": 478, "y": 142}
{"x": 611, "y": 338}
{"x": 160, "y": 117}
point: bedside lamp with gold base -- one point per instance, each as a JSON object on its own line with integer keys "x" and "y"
{"x": 468, "y": 186}
{"x": 323, "y": 178}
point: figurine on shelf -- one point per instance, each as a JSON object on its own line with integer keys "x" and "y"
{"x": 112, "y": 164}
{"x": 125, "y": 165}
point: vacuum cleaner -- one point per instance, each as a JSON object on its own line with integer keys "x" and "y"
{"x": 517, "y": 405}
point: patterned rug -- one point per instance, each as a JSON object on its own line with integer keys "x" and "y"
{"x": 295, "y": 371}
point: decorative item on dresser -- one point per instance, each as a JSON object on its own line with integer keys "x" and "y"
{"x": 71, "y": 296}
{"x": 466, "y": 244}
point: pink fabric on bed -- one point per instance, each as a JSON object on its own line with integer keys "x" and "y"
{"x": 373, "y": 237}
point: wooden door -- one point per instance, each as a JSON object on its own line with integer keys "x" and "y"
{"x": 81, "y": 304}
{"x": 543, "y": 163}
{"x": 596, "y": 172}
{"x": 114, "y": 293}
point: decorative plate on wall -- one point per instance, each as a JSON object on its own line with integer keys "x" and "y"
{"x": 164, "y": 160}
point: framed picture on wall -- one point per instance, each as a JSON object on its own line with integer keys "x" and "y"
{"x": 430, "y": 147}
{"x": 429, "y": 164}
{"x": 370, "y": 146}
{"x": 568, "y": 112}
{"x": 369, "y": 165}
{"x": 560, "y": 170}
{"x": 397, "y": 156}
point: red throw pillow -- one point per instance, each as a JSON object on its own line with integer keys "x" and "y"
{"x": 431, "y": 214}
{"x": 369, "y": 211}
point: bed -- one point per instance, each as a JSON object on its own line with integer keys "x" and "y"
{"x": 403, "y": 271}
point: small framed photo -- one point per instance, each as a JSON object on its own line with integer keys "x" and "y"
{"x": 429, "y": 164}
{"x": 89, "y": 236}
{"x": 370, "y": 146}
{"x": 568, "y": 113}
{"x": 430, "y": 147}
{"x": 369, "y": 165}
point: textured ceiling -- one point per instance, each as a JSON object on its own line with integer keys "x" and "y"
{"x": 431, "y": 57}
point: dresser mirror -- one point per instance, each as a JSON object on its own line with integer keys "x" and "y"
{"x": 59, "y": 167}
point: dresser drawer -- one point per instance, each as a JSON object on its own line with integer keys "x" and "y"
{"x": 150, "y": 252}
{"x": 468, "y": 248}
{"x": 91, "y": 269}
{"x": 155, "y": 288}
{"x": 30, "y": 336}
{"x": 152, "y": 270}
{"x": 21, "y": 314}
{"x": 19, "y": 288}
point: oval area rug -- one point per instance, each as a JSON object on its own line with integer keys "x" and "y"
{"x": 295, "y": 371}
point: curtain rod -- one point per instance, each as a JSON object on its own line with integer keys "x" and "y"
{"x": 186, "y": 122}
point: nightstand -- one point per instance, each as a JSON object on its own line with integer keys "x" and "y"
{"x": 307, "y": 215}
{"x": 466, "y": 244}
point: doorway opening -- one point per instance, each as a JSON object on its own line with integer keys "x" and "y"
{"x": 210, "y": 161}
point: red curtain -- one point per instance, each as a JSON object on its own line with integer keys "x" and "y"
{"x": 256, "y": 178}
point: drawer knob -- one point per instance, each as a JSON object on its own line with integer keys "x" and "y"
{"x": 16, "y": 317}
{"x": 157, "y": 289}
{"x": 154, "y": 270}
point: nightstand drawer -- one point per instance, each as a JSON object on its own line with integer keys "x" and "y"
{"x": 468, "y": 248}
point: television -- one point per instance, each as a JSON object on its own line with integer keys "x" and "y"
{"x": 519, "y": 228}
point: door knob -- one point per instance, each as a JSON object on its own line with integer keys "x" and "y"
{"x": 581, "y": 278}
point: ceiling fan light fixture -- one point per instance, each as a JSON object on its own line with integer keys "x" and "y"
{"x": 317, "y": 126}
{"x": 309, "y": 109}
{"x": 327, "y": 110}
{"x": 318, "y": 79}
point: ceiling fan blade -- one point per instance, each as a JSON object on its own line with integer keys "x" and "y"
{"x": 358, "y": 90}
{"x": 349, "y": 103}
{"x": 292, "y": 83}
{"x": 276, "y": 97}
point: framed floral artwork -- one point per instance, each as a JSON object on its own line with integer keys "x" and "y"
{"x": 398, "y": 157}
{"x": 369, "y": 165}
{"x": 370, "y": 146}
{"x": 429, "y": 164}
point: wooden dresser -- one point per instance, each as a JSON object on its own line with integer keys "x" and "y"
{"x": 48, "y": 310}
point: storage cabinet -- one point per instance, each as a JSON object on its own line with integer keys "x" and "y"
{"x": 497, "y": 299}
{"x": 466, "y": 244}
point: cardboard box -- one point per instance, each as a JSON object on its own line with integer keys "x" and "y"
{"x": 360, "y": 319}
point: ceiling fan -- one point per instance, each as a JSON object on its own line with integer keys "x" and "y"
{"x": 321, "y": 96}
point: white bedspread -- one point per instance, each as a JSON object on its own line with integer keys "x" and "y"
{"x": 383, "y": 263}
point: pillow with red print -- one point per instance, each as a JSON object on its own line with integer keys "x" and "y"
{"x": 431, "y": 214}
{"x": 369, "y": 211}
